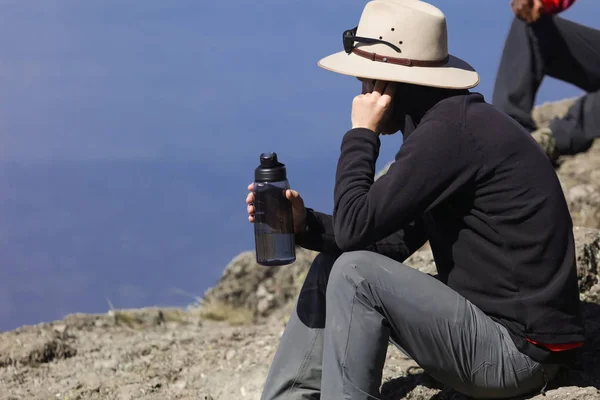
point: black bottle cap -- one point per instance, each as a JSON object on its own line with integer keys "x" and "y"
{"x": 270, "y": 169}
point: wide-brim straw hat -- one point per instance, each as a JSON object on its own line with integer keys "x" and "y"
{"x": 401, "y": 41}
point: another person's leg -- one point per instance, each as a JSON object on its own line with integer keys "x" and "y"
{"x": 575, "y": 132}
{"x": 372, "y": 298}
{"x": 519, "y": 75}
{"x": 576, "y": 60}
{"x": 295, "y": 373}
{"x": 566, "y": 51}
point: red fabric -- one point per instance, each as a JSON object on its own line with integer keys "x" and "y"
{"x": 558, "y": 347}
{"x": 556, "y": 6}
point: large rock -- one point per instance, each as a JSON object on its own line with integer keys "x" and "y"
{"x": 36, "y": 347}
{"x": 246, "y": 284}
{"x": 580, "y": 180}
{"x": 543, "y": 114}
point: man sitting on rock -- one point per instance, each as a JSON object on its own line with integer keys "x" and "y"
{"x": 504, "y": 311}
{"x": 540, "y": 43}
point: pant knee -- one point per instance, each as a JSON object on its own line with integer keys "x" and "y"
{"x": 358, "y": 266}
{"x": 348, "y": 268}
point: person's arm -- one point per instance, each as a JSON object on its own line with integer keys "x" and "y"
{"x": 318, "y": 233}
{"x": 555, "y": 6}
{"x": 319, "y": 236}
{"x": 433, "y": 163}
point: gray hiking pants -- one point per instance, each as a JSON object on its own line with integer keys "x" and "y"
{"x": 334, "y": 345}
{"x": 564, "y": 50}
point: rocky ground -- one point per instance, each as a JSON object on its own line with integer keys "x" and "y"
{"x": 222, "y": 350}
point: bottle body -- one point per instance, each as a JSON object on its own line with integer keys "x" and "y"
{"x": 273, "y": 224}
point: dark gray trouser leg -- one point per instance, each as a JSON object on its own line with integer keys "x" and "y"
{"x": 371, "y": 297}
{"x": 295, "y": 372}
{"x": 561, "y": 49}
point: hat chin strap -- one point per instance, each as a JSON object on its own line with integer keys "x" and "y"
{"x": 407, "y": 62}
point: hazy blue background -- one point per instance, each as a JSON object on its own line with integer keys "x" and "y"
{"x": 130, "y": 129}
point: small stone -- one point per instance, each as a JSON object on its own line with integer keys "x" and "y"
{"x": 172, "y": 325}
{"x": 180, "y": 385}
{"x": 261, "y": 291}
{"x": 106, "y": 364}
{"x": 263, "y": 305}
{"x": 580, "y": 191}
{"x": 230, "y": 354}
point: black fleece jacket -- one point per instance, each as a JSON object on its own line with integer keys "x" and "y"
{"x": 476, "y": 185}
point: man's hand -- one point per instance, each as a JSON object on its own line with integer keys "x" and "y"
{"x": 527, "y": 10}
{"x": 369, "y": 109}
{"x": 298, "y": 209}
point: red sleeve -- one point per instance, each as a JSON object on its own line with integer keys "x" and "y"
{"x": 556, "y": 6}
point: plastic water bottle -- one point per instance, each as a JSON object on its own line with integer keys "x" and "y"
{"x": 273, "y": 223}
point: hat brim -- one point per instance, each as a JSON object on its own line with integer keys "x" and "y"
{"x": 455, "y": 74}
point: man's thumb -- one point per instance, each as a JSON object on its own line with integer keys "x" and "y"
{"x": 294, "y": 197}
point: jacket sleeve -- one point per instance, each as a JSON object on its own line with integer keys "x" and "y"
{"x": 319, "y": 236}
{"x": 556, "y": 6}
{"x": 434, "y": 162}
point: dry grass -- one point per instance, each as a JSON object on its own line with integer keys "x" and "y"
{"x": 217, "y": 311}
{"x": 147, "y": 317}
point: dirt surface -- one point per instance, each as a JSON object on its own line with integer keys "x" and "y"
{"x": 141, "y": 355}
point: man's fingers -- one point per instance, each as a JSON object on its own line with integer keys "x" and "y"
{"x": 380, "y": 87}
{"x": 291, "y": 194}
{"x": 390, "y": 89}
{"x": 298, "y": 198}
{"x": 250, "y": 200}
{"x": 388, "y": 95}
{"x": 358, "y": 98}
